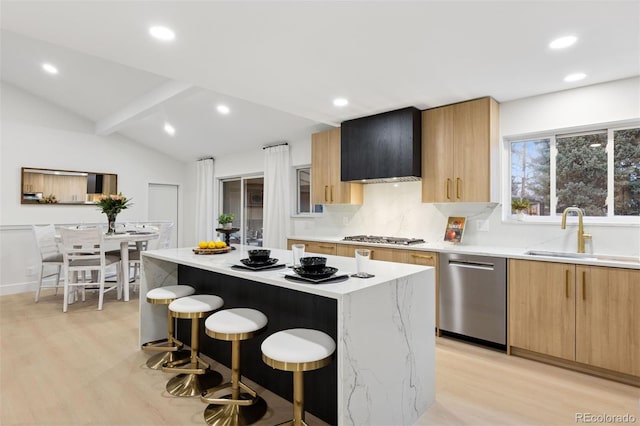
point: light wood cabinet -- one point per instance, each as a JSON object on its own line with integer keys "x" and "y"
{"x": 377, "y": 252}
{"x": 314, "y": 247}
{"x": 586, "y": 314}
{"x": 607, "y": 321}
{"x": 428, "y": 258}
{"x": 32, "y": 182}
{"x": 542, "y": 307}
{"x": 456, "y": 149}
{"x": 325, "y": 172}
{"x": 70, "y": 188}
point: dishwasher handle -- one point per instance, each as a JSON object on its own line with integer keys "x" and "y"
{"x": 472, "y": 265}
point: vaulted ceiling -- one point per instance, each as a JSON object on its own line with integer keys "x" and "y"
{"x": 279, "y": 65}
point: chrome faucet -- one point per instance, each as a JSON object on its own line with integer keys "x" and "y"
{"x": 581, "y": 235}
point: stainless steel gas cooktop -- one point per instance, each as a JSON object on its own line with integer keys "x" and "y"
{"x": 383, "y": 240}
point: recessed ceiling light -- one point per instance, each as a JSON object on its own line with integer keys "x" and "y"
{"x": 162, "y": 33}
{"x": 223, "y": 109}
{"x": 340, "y": 102}
{"x": 50, "y": 68}
{"x": 575, "y": 77}
{"x": 562, "y": 42}
{"x": 169, "y": 129}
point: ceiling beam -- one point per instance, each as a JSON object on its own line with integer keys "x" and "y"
{"x": 140, "y": 107}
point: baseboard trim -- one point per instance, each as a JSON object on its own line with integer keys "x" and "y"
{"x": 627, "y": 379}
{"x": 15, "y": 288}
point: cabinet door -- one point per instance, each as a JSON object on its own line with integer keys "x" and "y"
{"x": 326, "y": 183}
{"x": 319, "y": 168}
{"x": 607, "y": 321}
{"x": 542, "y": 307}
{"x": 319, "y": 248}
{"x": 471, "y": 162}
{"x": 437, "y": 155}
{"x": 425, "y": 258}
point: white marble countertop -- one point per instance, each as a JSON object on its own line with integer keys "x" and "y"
{"x": 615, "y": 261}
{"x": 222, "y": 263}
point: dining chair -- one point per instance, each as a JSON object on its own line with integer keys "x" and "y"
{"x": 83, "y": 251}
{"x": 50, "y": 255}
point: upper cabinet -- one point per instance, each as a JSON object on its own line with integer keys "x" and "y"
{"x": 457, "y": 141}
{"x": 325, "y": 171}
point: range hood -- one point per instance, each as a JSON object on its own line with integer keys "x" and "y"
{"x": 385, "y": 147}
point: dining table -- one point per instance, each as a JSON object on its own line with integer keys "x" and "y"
{"x": 124, "y": 238}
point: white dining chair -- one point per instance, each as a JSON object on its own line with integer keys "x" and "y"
{"x": 83, "y": 251}
{"x": 50, "y": 256}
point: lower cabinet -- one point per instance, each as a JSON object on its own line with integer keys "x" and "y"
{"x": 377, "y": 253}
{"x": 314, "y": 247}
{"x": 586, "y": 314}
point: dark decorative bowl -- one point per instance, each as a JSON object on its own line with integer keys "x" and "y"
{"x": 313, "y": 263}
{"x": 260, "y": 255}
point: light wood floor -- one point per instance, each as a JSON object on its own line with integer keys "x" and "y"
{"x": 84, "y": 368}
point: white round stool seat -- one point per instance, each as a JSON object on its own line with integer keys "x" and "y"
{"x": 167, "y": 294}
{"x": 235, "y": 321}
{"x": 195, "y": 306}
{"x": 298, "y": 346}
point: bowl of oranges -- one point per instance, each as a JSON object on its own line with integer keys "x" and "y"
{"x": 212, "y": 247}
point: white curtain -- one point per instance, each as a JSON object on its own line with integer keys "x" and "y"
{"x": 276, "y": 207}
{"x": 204, "y": 200}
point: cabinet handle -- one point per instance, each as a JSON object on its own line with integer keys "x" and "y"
{"x": 584, "y": 278}
{"x": 332, "y": 193}
{"x": 458, "y": 188}
{"x": 421, "y": 256}
{"x": 446, "y": 187}
{"x": 326, "y": 198}
{"x": 327, "y": 247}
{"x": 566, "y": 283}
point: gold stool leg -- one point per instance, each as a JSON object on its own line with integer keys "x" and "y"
{"x": 195, "y": 379}
{"x": 298, "y": 398}
{"x": 238, "y": 408}
{"x": 170, "y": 353}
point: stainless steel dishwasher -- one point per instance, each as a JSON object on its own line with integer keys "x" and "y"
{"x": 473, "y": 297}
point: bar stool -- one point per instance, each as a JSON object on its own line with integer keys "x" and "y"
{"x": 169, "y": 348}
{"x": 236, "y": 407}
{"x": 298, "y": 350}
{"x": 197, "y": 377}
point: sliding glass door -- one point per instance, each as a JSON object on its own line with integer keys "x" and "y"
{"x": 244, "y": 198}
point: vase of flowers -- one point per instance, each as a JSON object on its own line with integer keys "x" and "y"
{"x": 111, "y": 205}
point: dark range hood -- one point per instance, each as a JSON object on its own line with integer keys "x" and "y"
{"x": 94, "y": 183}
{"x": 384, "y": 147}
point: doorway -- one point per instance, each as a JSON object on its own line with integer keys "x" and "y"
{"x": 163, "y": 206}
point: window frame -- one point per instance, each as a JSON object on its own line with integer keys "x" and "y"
{"x": 552, "y": 135}
{"x": 295, "y": 187}
{"x": 242, "y": 179}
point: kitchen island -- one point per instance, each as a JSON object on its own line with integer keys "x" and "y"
{"x": 384, "y": 366}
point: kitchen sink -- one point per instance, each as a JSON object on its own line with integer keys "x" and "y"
{"x": 583, "y": 256}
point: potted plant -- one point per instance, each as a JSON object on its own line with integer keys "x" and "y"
{"x": 226, "y": 220}
{"x": 520, "y": 206}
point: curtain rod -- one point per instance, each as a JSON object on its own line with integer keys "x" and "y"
{"x": 274, "y": 145}
{"x": 205, "y": 158}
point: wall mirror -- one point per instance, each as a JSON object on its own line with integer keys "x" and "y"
{"x": 46, "y": 186}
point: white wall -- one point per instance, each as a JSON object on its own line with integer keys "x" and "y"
{"x": 37, "y": 134}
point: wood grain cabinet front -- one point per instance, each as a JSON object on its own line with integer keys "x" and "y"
{"x": 325, "y": 172}
{"x": 377, "y": 253}
{"x": 456, "y": 149}
{"x": 314, "y": 247}
{"x": 586, "y": 314}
